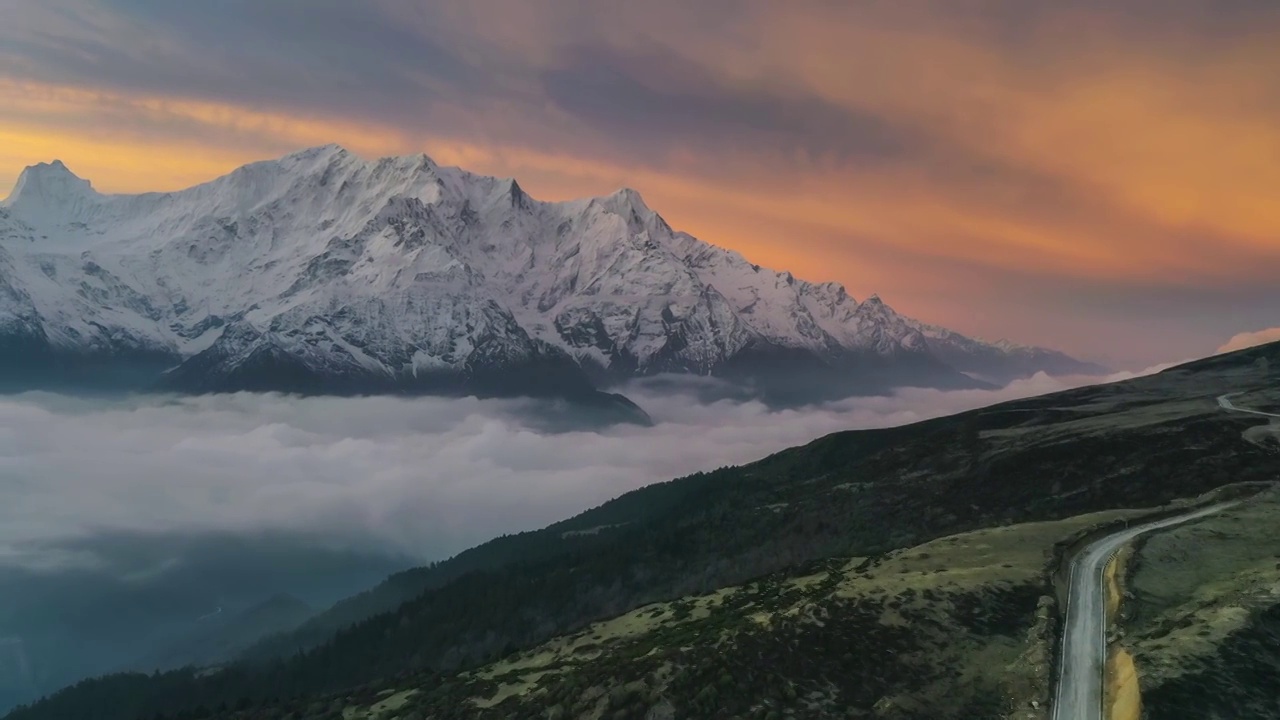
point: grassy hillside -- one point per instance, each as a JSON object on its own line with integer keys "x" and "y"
{"x": 1203, "y": 623}
{"x": 856, "y": 494}
{"x": 955, "y": 628}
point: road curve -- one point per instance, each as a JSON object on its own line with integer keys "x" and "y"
{"x": 1084, "y": 636}
{"x": 1224, "y": 401}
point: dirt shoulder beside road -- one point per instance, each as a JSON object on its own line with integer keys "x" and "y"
{"x": 1123, "y": 698}
{"x": 1202, "y": 616}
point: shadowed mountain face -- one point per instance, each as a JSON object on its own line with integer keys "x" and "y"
{"x": 324, "y": 273}
{"x": 861, "y": 494}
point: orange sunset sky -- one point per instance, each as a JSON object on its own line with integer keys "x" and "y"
{"x": 1100, "y": 177}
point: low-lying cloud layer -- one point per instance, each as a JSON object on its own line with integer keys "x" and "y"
{"x": 126, "y": 524}
{"x": 423, "y": 477}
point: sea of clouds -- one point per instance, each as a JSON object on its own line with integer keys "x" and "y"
{"x": 419, "y": 478}
{"x": 137, "y": 518}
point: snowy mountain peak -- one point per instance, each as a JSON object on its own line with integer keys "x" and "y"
{"x": 323, "y": 270}
{"x": 48, "y": 189}
{"x": 628, "y": 205}
{"x": 516, "y": 194}
{"x": 629, "y": 197}
{"x": 834, "y": 290}
{"x": 625, "y": 202}
{"x": 1010, "y": 346}
{"x": 332, "y": 151}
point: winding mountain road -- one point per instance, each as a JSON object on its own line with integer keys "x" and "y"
{"x": 1084, "y": 640}
{"x": 1079, "y": 693}
{"x": 1224, "y": 401}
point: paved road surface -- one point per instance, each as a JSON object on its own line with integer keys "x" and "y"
{"x": 1225, "y": 403}
{"x": 1084, "y": 642}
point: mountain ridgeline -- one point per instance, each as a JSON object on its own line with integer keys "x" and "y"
{"x": 843, "y": 501}
{"x": 323, "y": 273}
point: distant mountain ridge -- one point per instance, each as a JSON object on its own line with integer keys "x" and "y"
{"x": 321, "y": 272}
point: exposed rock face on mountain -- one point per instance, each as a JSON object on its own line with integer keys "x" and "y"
{"x": 322, "y": 272}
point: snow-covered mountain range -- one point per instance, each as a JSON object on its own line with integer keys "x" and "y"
{"x": 324, "y": 272}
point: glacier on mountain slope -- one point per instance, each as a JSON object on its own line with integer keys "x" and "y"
{"x": 323, "y": 272}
